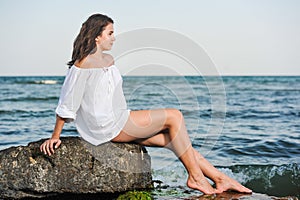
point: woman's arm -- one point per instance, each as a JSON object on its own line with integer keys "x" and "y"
{"x": 47, "y": 146}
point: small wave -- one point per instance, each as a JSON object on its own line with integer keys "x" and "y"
{"x": 281, "y": 180}
{"x": 8, "y": 114}
{"x": 253, "y": 114}
{"x": 258, "y": 148}
{"x": 275, "y": 180}
{"x": 31, "y": 99}
{"x": 209, "y": 113}
{"x": 34, "y": 80}
{"x": 8, "y": 143}
{"x": 5, "y": 112}
{"x": 248, "y": 114}
{"x": 47, "y": 82}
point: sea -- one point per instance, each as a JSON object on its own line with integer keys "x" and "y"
{"x": 247, "y": 126}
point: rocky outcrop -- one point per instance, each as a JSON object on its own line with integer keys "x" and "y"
{"x": 77, "y": 167}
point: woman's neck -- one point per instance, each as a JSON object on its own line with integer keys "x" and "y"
{"x": 98, "y": 53}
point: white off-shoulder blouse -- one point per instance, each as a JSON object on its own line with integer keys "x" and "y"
{"x": 93, "y": 98}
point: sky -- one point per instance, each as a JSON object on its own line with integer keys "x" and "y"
{"x": 257, "y": 37}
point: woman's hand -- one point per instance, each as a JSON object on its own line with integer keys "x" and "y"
{"x": 47, "y": 146}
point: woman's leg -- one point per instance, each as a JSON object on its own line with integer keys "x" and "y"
{"x": 147, "y": 123}
{"x": 223, "y": 182}
{"x": 157, "y": 128}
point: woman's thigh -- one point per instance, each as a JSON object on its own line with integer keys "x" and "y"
{"x": 143, "y": 124}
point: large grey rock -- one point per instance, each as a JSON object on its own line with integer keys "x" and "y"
{"x": 76, "y": 167}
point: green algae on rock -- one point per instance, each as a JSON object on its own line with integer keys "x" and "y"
{"x": 135, "y": 195}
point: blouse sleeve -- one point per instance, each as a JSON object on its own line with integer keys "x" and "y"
{"x": 71, "y": 94}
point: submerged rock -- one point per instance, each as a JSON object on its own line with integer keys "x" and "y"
{"x": 77, "y": 167}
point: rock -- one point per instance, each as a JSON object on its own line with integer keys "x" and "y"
{"x": 77, "y": 167}
{"x": 239, "y": 196}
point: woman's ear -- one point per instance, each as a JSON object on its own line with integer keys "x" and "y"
{"x": 97, "y": 39}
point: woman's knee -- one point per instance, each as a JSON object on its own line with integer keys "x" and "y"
{"x": 174, "y": 116}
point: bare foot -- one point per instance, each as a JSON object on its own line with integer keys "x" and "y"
{"x": 200, "y": 183}
{"x": 226, "y": 183}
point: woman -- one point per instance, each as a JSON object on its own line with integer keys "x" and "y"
{"x": 92, "y": 95}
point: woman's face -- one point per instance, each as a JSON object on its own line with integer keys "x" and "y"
{"x": 106, "y": 39}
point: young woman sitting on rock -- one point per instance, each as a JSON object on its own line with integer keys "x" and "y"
{"x": 92, "y": 96}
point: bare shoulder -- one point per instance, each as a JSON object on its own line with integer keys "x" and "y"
{"x": 109, "y": 59}
{"x": 92, "y": 61}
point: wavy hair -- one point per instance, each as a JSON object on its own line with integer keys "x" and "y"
{"x": 84, "y": 43}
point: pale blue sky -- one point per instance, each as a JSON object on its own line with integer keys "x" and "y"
{"x": 257, "y": 37}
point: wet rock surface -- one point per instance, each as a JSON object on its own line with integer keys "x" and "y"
{"x": 77, "y": 167}
{"x": 239, "y": 196}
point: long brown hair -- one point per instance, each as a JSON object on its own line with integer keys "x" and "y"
{"x": 84, "y": 43}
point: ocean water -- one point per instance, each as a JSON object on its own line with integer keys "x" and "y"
{"x": 249, "y": 127}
